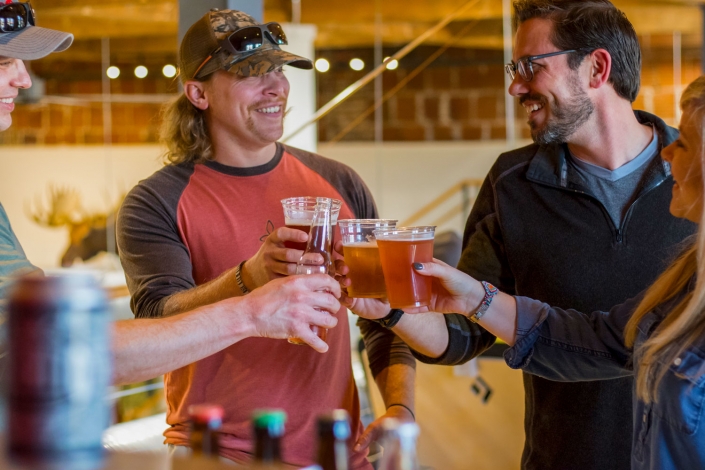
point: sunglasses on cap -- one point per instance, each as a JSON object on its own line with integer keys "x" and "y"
{"x": 15, "y": 16}
{"x": 244, "y": 41}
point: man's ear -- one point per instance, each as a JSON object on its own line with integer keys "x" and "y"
{"x": 195, "y": 91}
{"x": 600, "y": 67}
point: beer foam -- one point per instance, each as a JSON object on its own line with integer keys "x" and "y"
{"x": 406, "y": 237}
{"x": 370, "y": 244}
{"x": 304, "y": 222}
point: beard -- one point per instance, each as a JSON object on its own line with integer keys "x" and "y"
{"x": 565, "y": 119}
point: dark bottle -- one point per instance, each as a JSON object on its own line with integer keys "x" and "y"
{"x": 205, "y": 424}
{"x": 333, "y": 437}
{"x": 59, "y": 371}
{"x": 269, "y": 430}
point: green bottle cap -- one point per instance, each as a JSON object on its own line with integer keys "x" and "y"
{"x": 270, "y": 419}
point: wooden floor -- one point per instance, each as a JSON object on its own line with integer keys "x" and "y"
{"x": 458, "y": 431}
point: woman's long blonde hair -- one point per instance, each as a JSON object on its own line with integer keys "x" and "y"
{"x": 184, "y": 132}
{"x": 685, "y": 323}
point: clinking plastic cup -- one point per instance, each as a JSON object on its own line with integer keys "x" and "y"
{"x": 298, "y": 214}
{"x": 362, "y": 256}
{"x": 399, "y": 249}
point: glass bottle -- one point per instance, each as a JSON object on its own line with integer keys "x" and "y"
{"x": 333, "y": 437}
{"x": 269, "y": 430}
{"x": 399, "y": 443}
{"x": 205, "y": 424}
{"x": 317, "y": 255}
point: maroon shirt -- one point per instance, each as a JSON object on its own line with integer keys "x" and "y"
{"x": 185, "y": 226}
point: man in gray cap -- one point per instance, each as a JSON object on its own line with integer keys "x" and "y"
{"x": 210, "y": 226}
{"x": 20, "y": 39}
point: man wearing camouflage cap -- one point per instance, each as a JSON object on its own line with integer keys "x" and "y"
{"x": 210, "y": 226}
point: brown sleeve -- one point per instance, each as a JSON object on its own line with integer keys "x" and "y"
{"x": 384, "y": 348}
{"x": 157, "y": 264}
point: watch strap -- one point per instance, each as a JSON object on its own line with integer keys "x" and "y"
{"x": 391, "y": 319}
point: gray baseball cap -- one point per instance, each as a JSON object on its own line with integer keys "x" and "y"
{"x": 33, "y": 42}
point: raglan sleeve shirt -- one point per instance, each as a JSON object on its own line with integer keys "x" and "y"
{"x": 157, "y": 263}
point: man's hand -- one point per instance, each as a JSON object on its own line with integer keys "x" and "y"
{"x": 372, "y": 309}
{"x": 374, "y": 430}
{"x": 286, "y": 308}
{"x": 273, "y": 260}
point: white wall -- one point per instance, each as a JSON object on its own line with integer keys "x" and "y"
{"x": 302, "y": 95}
{"x": 402, "y": 176}
{"x": 100, "y": 174}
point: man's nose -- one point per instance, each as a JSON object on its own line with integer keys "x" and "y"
{"x": 518, "y": 86}
{"x": 21, "y": 79}
{"x": 277, "y": 85}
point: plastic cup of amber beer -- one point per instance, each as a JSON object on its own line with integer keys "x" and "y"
{"x": 362, "y": 256}
{"x": 399, "y": 248}
{"x": 298, "y": 214}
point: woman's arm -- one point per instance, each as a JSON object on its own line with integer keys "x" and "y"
{"x": 557, "y": 344}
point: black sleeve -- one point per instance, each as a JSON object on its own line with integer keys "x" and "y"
{"x": 484, "y": 259}
{"x": 157, "y": 264}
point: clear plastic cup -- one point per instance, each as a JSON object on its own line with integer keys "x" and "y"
{"x": 298, "y": 214}
{"x": 362, "y": 256}
{"x": 399, "y": 248}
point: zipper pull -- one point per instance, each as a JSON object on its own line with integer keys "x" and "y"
{"x": 619, "y": 236}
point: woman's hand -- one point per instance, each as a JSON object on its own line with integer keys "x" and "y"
{"x": 453, "y": 291}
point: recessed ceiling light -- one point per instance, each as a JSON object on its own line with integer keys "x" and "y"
{"x": 113, "y": 72}
{"x": 391, "y": 64}
{"x": 169, "y": 71}
{"x": 141, "y": 71}
{"x": 357, "y": 64}
{"x": 322, "y": 65}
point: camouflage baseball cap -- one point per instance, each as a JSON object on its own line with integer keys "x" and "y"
{"x": 203, "y": 38}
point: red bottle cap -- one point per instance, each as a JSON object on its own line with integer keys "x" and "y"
{"x": 206, "y": 413}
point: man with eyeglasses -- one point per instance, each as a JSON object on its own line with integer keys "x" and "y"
{"x": 579, "y": 219}
{"x": 210, "y": 226}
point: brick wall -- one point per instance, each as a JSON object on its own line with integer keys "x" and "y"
{"x": 82, "y": 122}
{"x": 460, "y": 96}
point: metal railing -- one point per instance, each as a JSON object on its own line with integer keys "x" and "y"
{"x": 468, "y": 189}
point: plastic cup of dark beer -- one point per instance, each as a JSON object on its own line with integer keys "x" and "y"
{"x": 298, "y": 214}
{"x": 399, "y": 248}
{"x": 362, "y": 256}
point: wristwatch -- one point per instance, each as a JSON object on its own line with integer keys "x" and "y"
{"x": 391, "y": 319}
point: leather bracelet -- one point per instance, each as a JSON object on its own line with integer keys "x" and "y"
{"x": 391, "y": 319}
{"x": 490, "y": 292}
{"x": 238, "y": 279}
{"x": 403, "y": 406}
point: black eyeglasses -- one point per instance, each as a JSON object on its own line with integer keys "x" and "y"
{"x": 244, "y": 41}
{"x": 15, "y": 16}
{"x": 524, "y": 66}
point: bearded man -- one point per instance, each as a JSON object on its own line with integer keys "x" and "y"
{"x": 580, "y": 219}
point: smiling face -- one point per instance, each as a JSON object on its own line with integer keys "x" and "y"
{"x": 555, "y": 100}
{"x": 13, "y": 76}
{"x": 249, "y": 110}
{"x": 685, "y": 155}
